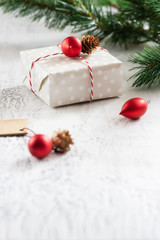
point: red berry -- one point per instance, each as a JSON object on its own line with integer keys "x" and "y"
{"x": 40, "y": 145}
{"x": 71, "y": 46}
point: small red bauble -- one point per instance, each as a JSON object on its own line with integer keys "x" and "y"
{"x": 71, "y": 46}
{"x": 134, "y": 108}
{"x": 40, "y": 145}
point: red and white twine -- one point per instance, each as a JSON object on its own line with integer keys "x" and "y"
{"x": 54, "y": 54}
{"x": 32, "y": 65}
{"x": 91, "y": 76}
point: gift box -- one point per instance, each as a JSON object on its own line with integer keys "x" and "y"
{"x": 60, "y": 80}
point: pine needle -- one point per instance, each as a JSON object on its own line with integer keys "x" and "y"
{"x": 148, "y": 68}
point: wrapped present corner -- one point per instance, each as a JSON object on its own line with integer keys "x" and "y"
{"x": 60, "y": 80}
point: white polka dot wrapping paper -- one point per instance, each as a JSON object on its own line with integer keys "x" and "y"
{"x": 60, "y": 80}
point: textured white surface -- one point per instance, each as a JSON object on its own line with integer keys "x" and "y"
{"x": 107, "y": 187}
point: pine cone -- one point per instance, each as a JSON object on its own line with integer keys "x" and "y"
{"x": 89, "y": 44}
{"x": 62, "y": 140}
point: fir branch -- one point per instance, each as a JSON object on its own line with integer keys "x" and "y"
{"x": 134, "y": 21}
{"x": 148, "y": 67}
{"x": 57, "y": 14}
{"x": 127, "y": 25}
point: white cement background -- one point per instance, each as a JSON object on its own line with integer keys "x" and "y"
{"x": 107, "y": 187}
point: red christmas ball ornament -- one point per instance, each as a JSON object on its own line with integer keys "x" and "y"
{"x": 40, "y": 145}
{"x": 71, "y": 46}
{"x": 134, "y": 108}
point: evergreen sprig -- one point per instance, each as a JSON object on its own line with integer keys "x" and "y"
{"x": 132, "y": 21}
{"x": 148, "y": 69}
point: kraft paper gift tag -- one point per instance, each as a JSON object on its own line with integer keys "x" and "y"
{"x": 12, "y": 127}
